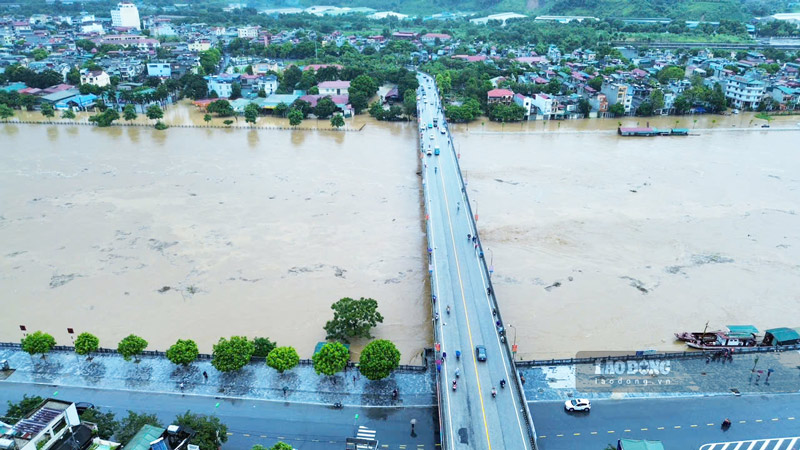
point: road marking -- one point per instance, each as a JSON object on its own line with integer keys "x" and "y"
{"x": 466, "y": 315}
{"x": 229, "y": 433}
{"x": 775, "y": 419}
{"x": 710, "y": 424}
{"x": 693, "y": 426}
{"x": 790, "y": 418}
{"x": 542, "y": 437}
{"x": 559, "y": 435}
{"x": 644, "y": 429}
{"x": 742, "y": 421}
{"x": 759, "y": 420}
{"x": 677, "y": 427}
{"x": 610, "y": 431}
{"x": 246, "y": 435}
{"x": 576, "y": 434}
{"x": 594, "y": 432}
{"x": 660, "y": 428}
{"x": 626, "y": 431}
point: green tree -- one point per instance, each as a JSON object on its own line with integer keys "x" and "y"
{"x": 656, "y": 99}
{"x": 331, "y": 358}
{"x": 281, "y": 109}
{"x": 302, "y": 106}
{"x": 210, "y": 431}
{"x": 596, "y": 83}
{"x": 48, "y": 110}
{"x": 222, "y": 108}
{"x": 325, "y": 108}
{"x": 645, "y": 109}
{"x": 295, "y": 117}
{"x": 263, "y": 346}
{"x": 38, "y": 342}
{"x": 160, "y": 125}
{"x": 207, "y": 118}
{"x": 281, "y": 446}
{"x": 86, "y": 343}
{"x": 670, "y": 73}
{"x": 291, "y": 77}
{"x": 584, "y": 107}
{"x": 379, "y": 359}
{"x": 283, "y": 359}
{"x": 717, "y": 100}
{"x": 105, "y": 118}
{"x": 228, "y": 122}
{"x": 364, "y": 83}
{"x": 5, "y": 111}
{"x": 68, "y": 114}
{"x": 154, "y": 112}
{"x": 376, "y": 110}
{"x": 209, "y": 60}
{"x": 131, "y": 425}
{"x": 617, "y": 109}
{"x": 16, "y": 411}
{"x": 74, "y": 76}
{"x": 353, "y": 319}
{"x": 250, "y": 113}
{"x": 681, "y": 104}
{"x": 359, "y": 101}
{"x": 232, "y": 355}
{"x": 337, "y": 121}
{"x": 131, "y": 346}
{"x": 236, "y": 91}
{"x": 106, "y": 425}
{"x": 129, "y": 112}
{"x": 183, "y": 352}
{"x": 410, "y": 102}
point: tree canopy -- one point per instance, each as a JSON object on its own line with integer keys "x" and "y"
{"x": 353, "y": 319}
{"x": 38, "y": 342}
{"x": 130, "y": 346}
{"x": 379, "y": 359}
{"x": 283, "y": 359}
{"x": 210, "y": 431}
{"x": 232, "y": 354}
{"x": 131, "y": 424}
{"x": 331, "y": 358}
{"x": 17, "y": 411}
{"x": 183, "y": 352}
{"x": 263, "y": 346}
{"x": 86, "y": 343}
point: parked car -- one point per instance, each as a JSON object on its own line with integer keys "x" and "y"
{"x": 480, "y": 353}
{"x": 765, "y": 125}
{"x": 436, "y": 151}
{"x": 429, "y": 152}
{"x": 578, "y": 404}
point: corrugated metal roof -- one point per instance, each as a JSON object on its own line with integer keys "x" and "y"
{"x": 142, "y": 439}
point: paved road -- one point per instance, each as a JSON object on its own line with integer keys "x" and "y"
{"x": 251, "y": 422}
{"x": 680, "y": 423}
{"x": 471, "y": 417}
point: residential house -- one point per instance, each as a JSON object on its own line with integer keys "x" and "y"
{"x": 268, "y": 84}
{"x": 744, "y": 93}
{"x": 247, "y": 32}
{"x": 222, "y": 84}
{"x": 525, "y": 102}
{"x": 334, "y": 87}
{"x": 53, "y": 425}
{"x": 430, "y": 38}
{"x": 174, "y": 437}
{"x": 599, "y": 104}
{"x": 96, "y": 77}
{"x": 503, "y": 96}
{"x": 404, "y": 35}
{"x": 554, "y": 54}
{"x": 785, "y": 95}
{"x": 199, "y": 45}
{"x": 618, "y": 93}
{"x": 543, "y": 106}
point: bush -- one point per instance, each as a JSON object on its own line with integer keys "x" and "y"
{"x": 331, "y": 358}
{"x": 161, "y": 125}
{"x": 183, "y": 352}
{"x": 209, "y": 430}
{"x": 17, "y": 411}
{"x": 263, "y": 346}
{"x": 38, "y": 342}
{"x": 86, "y": 343}
{"x": 283, "y": 359}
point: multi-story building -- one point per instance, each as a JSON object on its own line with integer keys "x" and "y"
{"x": 618, "y": 93}
{"x": 544, "y": 106}
{"x": 553, "y": 54}
{"x": 247, "y": 32}
{"x": 268, "y": 84}
{"x": 222, "y": 84}
{"x": 503, "y": 96}
{"x": 744, "y": 93}
{"x": 52, "y": 425}
{"x": 126, "y": 15}
{"x": 525, "y": 102}
{"x": 199, "y": 45}
{"x": 334, "y": 87}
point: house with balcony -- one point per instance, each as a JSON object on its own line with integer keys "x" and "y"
{"x": 53, "y": 425}
{"x": 503, "y": 96}
{"x": 525, "y": 102}
{"x": 95, "y": 77}
{"x": 618, "y": 93}
{"x": 544, "y": 107}
{"x": 744, "y": 93}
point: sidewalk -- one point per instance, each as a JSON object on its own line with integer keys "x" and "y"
{"x": 255, "y": 381}
{"x": 688, "y": 377}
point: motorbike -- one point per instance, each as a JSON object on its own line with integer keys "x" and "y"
{"x": 338, "y": 405}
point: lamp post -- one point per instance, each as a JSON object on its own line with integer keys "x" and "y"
{"x": 476, "y": 209}
{"x": 491, "y": 261}
{"x": 514, "y": 345}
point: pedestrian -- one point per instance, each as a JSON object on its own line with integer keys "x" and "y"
{"x": 434, "y": 299}
{"x": 444, "y": 356}
{"x": 522, "y": 378}
{"x": 181, "y": 385}
{"x": 475, "y": 239}
{"x": 469, "y": 237}
{"x": 205, "y": 375}
{"x": 354, "y": 380}
{"x": 476, "y": 245}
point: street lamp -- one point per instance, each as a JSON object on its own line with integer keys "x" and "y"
{"x": 491, "y": 261}
{"x": 476, "y": 209}
{"x": 514, "y": 345}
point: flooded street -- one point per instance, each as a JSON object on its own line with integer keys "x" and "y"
{"x": 607, "y": 243}
{"x": 203, "y": 233}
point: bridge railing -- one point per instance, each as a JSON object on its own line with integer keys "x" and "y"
{"x": 531, "y": 429}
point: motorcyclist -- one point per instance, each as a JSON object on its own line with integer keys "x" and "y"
{"x": 494, "y": 392}
{"x": 458, "y": 372}
{"x": 503, "y": 383}
{"x": 454, "y": 385}
{"x": 448, "y": 309}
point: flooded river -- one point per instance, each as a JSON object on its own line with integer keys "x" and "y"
{"x": 608, "y": 243}
{"x": 203, "y": 233}
{"x": 598, "y": 242}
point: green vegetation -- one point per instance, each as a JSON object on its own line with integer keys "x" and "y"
{"x": 86, "y": 343}
{"x": 129, "y": 113}
{"x": 105, "y": 118}
{"x": 48, "y": 110}
{"x": 154, "y": 112}
{"x": 283, "y": 359}
{"x": 263, "y": 347}
{"x": 6, "y": 112}
{"x": 160, "y": 125}
{"x": 763, "y": 116}
{"x": 232, "y": 355}
{"x": 131, "y": 346}
{"x": 38, "y": 342}
{"x": 106, "y": 424}
{"x": 331, "y": 358}
{"x": 131, "y": 424}
{"x": 222, "y": 108}
{"x": 251, "y": 113}
{"x": 379, "y": 359}
{"x": 183, "y": 352}
{"x": 337, "y": 121}
{"x": 295, "y": 117}
{"x": 17, "y": 411}
{"x": 68, "y": 114}
{"x": 353, "y": 319}
{"x": 211, "y": 432}
{"x": 325, "y": 108}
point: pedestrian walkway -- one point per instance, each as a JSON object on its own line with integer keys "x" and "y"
{"x": 746, "y": 373}
{"x": 790, "y": 443}
{"x": 255, "y": 381}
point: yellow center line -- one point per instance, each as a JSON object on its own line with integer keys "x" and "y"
{"x": 610, "y": 431}
{"x": 576, "y": 434}
{"x": 693, "y": 426}
{"x": 790, "y": 418}
{"x": 626, "y": 431}
{"x": 594, "y": 432}
{"x": 677, "y": 427}
{"x": 559, "y": 435}
{"x": 710, "y": 424}
{"x": 466, "y": 313}
{"x": 742, "y": 421}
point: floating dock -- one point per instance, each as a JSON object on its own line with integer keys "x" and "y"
{"x": 647, "y": 131}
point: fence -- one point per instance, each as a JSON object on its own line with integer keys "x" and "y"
{"x": 667, "y": 355}
{"x": 147, "y": 125}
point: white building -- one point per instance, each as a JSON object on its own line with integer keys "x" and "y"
{"x": 268, "y": 84}
{"x": 92, "y": 27}
{"x": 744, "y": 93}
{"x": 554, "y": 54}
{"x": 546, "y": 107}
{"x": 126, "y": 15}
{"x": 44, "y": 427}
{"x": 334, "y": 87}
{"x": 96, "y": 77}
{"x": 159, "y": 69}
{"x": 199, "y": 45}
{"x": 248, "y": 32}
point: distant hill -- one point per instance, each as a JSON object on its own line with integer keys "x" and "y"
{"x": 711, "y": 10}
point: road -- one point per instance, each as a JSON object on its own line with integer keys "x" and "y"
{"x": 251, "y": 422}
{"x": 680, "y": 423}
{"x": 471, "y": 417}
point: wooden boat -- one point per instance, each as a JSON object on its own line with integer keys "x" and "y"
{"x": 734, "y": 336}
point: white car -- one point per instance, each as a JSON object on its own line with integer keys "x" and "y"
{"x": 441, "y": 129}
{"x": 578, "y": 404}
{"x": 431, "y": 137}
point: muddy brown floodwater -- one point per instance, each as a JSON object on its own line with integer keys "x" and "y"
{"x": 606, "y": 243}
{"x": 203, "y": 233}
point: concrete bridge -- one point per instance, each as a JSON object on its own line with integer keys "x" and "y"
{"x": 466, "y": 315}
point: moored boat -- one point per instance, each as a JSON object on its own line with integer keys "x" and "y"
{"x": 734, "y": 336}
